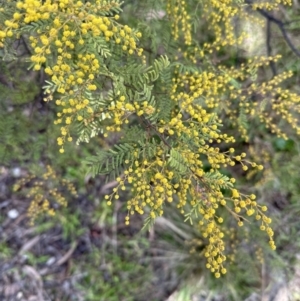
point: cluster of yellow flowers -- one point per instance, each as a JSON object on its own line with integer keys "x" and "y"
{"x": 222, "y": 15}
{"x": 220, "y": 19}
{"x": 222, "y": 89}
{"x": 155, "y": 182}
{"x": 44, "y": 192}
{"x": 119, "y": 111}
{"x": 188, "y": 182}
{"x": 234, "y": 237}
{"x": 70, "y": 28}
{"x": 267, "y": 5}
{"x": 266, "y": 100}
{"x": 180, "y": 20}
{"x": 219, "y": 16}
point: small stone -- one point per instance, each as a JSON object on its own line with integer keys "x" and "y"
{"x": 50, "y": 261}
{"x": 16, "y": 172}
{"x": 13, "y": 213}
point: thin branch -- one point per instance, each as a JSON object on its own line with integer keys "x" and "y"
{"x": 289, "y": 42}
{"x": 158, "y": 133}
{"x": 269, "y": 47}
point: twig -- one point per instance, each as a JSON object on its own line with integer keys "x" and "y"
{"x": 148, "y": 123}
{"x": 269, "y": 47}
{"x": 65, "y": 258}
{"x": 29, "y": 244}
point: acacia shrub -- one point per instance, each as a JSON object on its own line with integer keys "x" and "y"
{"x": 162, "y": 88}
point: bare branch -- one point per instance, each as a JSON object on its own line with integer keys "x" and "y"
{"x": 269, "y": 47}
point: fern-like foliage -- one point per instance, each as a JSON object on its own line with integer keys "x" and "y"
{"x": 218, "y": 179}
{"x": 110, "y": 162}
{"x": 177, "y": 161}
{"x": 133, "y": 134}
